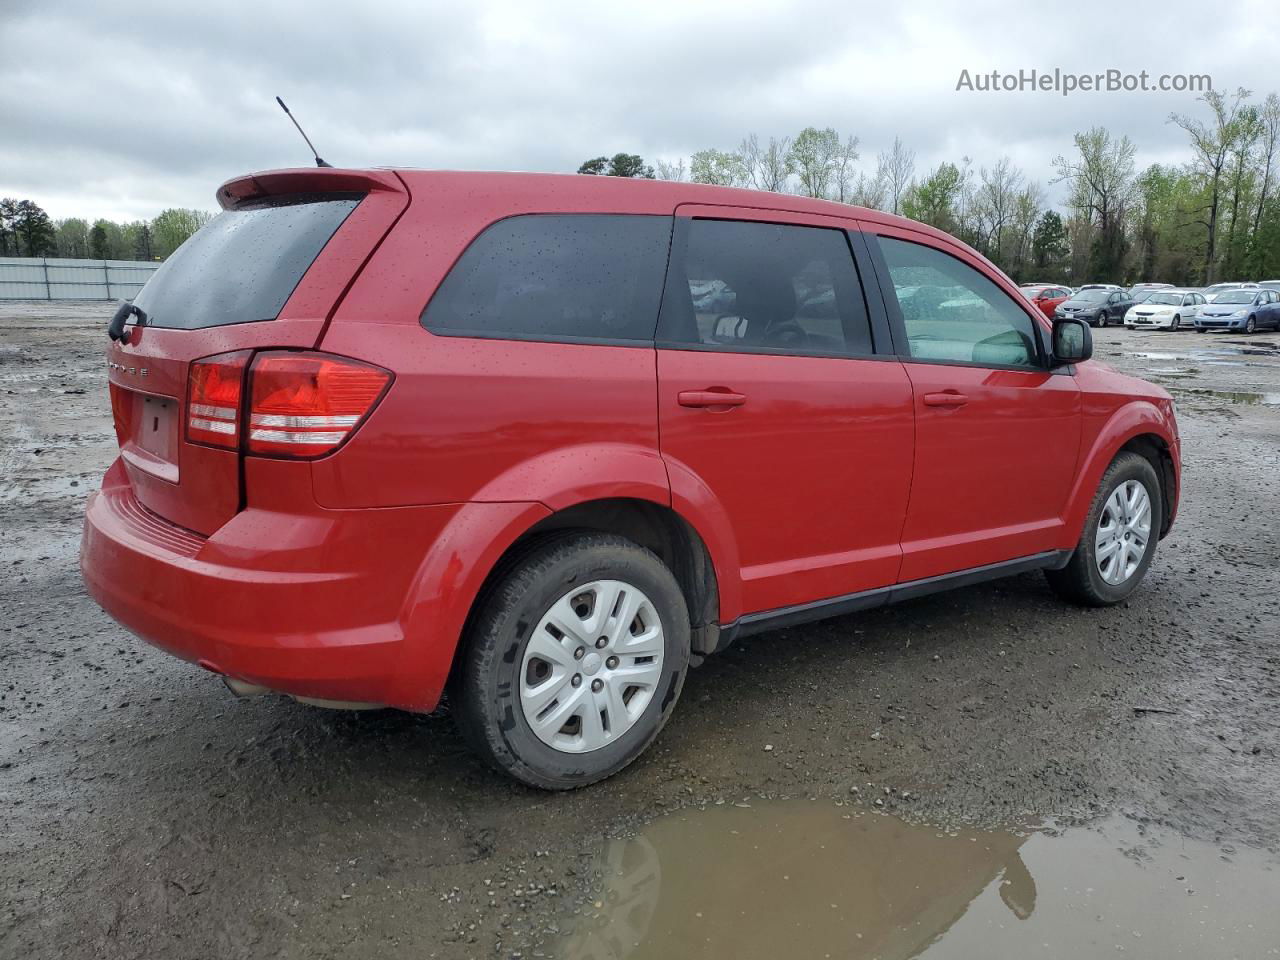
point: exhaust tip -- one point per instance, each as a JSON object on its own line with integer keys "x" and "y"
{"x": 242, "y": 688}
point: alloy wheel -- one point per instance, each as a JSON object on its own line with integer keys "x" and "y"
{"x": 591, "y": 666}
{"x": 1124, "y": 532}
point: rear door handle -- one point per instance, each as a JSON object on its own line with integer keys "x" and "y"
{"x": 948, "y": 399}
{"x": 710, "y": 398}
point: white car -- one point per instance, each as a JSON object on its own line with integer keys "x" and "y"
{"x": 1166, "y": 310}
{"x": 1212, "y": 292}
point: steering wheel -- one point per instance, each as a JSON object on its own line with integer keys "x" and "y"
{"x": 788, "y": 333}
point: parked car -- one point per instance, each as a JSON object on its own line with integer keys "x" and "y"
{"x": 548, "y": 459}
{"x": 1212, "y": 292}
{"x": 1165, "y": 309}
{"x": 1097, "y": 306}
{"x": 1099, "y": 286}
{"x": 1247, "y": 310}
{"x": 1141, "y": 290}
{"x": 1046, "y": 297}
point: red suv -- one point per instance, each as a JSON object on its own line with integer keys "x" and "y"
{"x": 545, "y": 441}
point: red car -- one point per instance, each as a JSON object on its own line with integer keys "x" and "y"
{"x": 545, "y": 441}
{"x": 1046, "y": 297}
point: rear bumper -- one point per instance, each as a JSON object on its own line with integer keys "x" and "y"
{"x": 316, "y": 605}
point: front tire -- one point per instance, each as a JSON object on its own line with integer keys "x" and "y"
{"x": 573, "y": 662}
{"x": 1119, "y": 538}
{"x": 1176, "y": 320}
{"x": 1251, "y": 325}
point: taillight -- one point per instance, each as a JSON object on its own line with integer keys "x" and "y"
{"x": 214, "y": 389}
{"x": 306, "y": 404}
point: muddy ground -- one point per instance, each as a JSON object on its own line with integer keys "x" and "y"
{"x": 145, "y": 812}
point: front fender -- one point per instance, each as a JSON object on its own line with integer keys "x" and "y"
{"x": 1134, "y": 419}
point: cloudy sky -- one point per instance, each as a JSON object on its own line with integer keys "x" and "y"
{"x": 122, "y": 109}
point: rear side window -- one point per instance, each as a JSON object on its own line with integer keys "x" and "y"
{"x": 570, "y": 278}
{"x": 764, "y": 288}
{"x": 952, "y": 312}
{"x": 243, "y": 264}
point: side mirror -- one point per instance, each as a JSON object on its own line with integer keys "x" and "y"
{"x": 1072, "y": 342}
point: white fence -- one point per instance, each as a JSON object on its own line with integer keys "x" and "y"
{"x": 49, "y": 278}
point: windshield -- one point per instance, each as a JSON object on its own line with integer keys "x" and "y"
{"x": 243, "y": 264}
{"x": 1173, "y": 299}
{"x": 1093, "y": 296}
{"x": 1236, "y": 296}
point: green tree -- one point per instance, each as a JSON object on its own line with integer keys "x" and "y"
{"x": 98, "y": 244}
{"x": 933, "y": 200}
{"x": 73, "y": 238}
{"x": 628, "y": 165}
{"x": 35, "y": 231}
{"x": 1100, "y": 175}
{"x": 1049, "y": 247}
{"x": 813, "y": 158}
{"x": 1212, "y": 143}
{"x": 8, "y": 223}
{"x": 142, "y": 246}
{"x": 171, "y": 228}
{"x": 717, "y": 167}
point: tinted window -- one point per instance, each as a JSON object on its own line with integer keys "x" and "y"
{"x": 243, "y": 264}
{"x": 953, "y": 312}
{"x": 557, "y": 277}
{"x": 766, "y": 288}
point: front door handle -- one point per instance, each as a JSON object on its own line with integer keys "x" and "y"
{"x": 714, "y": 397}
{"x": 949, "y": 398}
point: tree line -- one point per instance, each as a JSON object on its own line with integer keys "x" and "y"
{"x": 26, "y": 230}
{"x": 1216, "y": 217}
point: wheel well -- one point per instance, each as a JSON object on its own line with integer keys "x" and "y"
{"x": 1153, "y": 448}
{"x": 657, "y": 528}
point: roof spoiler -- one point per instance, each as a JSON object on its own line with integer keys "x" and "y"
{"x": 272, "y": 183}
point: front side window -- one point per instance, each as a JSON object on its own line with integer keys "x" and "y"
{"x": 567, "y": 278}
{"x": 764, "y": 288}
{"x": 952, "y": 312}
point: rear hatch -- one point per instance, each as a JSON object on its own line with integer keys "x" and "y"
{"x": 267, "y": 272}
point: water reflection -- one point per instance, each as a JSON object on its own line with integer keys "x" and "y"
{"x": 802, "y": 879}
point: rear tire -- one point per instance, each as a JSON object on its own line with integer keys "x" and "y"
{"x": 1083, "y": 580}
{"x": 495, "y": 689}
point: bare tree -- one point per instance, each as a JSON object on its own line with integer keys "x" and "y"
{"x": 898, "y": 165}
{"x": 997, "y": 195}
{"x": 667, "y": 170}
{"x": 870, "y": 191}
{"x": 845, "y": 156}
{"x": 1212, "y": 144}
{"x": 765, "y": 165}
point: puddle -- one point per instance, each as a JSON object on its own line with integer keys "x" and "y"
{"x": 1247, "y": 397}
{"x": 800, "y": 879}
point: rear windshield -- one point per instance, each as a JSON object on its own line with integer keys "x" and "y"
{"x": 243, "y": 264}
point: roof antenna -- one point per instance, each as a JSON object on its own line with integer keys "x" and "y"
{"x": 319, "y": 162}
